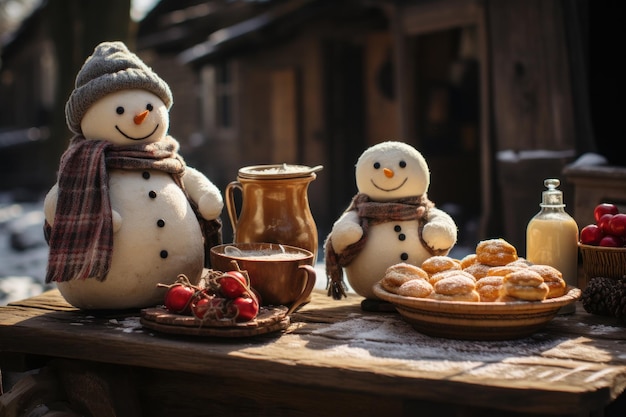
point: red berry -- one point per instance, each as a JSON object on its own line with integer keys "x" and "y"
{"x": 591, "y": 234}
{"x": 240, "y": 276}
{"x": 178, "y": 299}
{"x": 611, "y": 241}
{"x": 604, "y": 223}
{"x": 246, "y": 308}
{"x": 604, "y": 208}
{"x": 233, "y": 284}
{"x": 200, "y": 307}
{"x": 617, "y": 224}
{"x": 208, "y": 306}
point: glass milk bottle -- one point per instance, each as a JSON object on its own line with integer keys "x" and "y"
{"x": 552, "y": 237}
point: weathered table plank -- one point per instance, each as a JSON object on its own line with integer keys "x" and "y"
{"x": 577, "y": 364}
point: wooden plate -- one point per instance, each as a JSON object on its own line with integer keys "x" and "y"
{"x": 477, "y": 321}
{"x": 270, "y": 319}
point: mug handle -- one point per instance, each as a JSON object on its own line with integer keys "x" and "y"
{"x": 230, "y": 203}
{"x": 308, "y": 288}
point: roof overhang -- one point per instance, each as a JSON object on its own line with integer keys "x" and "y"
{"x": 251, "y": 32}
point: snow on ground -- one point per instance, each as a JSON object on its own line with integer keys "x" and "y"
{"x": 23, "y": 250}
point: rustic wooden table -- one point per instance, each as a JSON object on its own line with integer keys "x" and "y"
{"x": 334, "y": 359}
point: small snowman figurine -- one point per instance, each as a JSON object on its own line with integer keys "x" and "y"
{"x": 126, "y": 212}
{"x": 389, "y": 221}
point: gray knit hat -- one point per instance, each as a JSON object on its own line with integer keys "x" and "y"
{"x": 111, "y": 67}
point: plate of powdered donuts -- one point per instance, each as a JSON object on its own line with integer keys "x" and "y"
{"x": 491, "y": 294}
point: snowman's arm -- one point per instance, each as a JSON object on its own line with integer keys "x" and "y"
{"x": 346, "y": 231}
{"x": 50, "y": 208}
{"x": 50, "y": 204}
{"x": 117, "y": 220}
{"x": 440, "y": 231}
{"x": 204, "y": 193}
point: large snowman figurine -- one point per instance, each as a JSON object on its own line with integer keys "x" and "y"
{"x": 126, "y": 212}
{"x": 389, "y": 221}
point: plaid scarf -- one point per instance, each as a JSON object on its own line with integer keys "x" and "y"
{"x": 371, "y": 213}
{"x": 81, "y": 238}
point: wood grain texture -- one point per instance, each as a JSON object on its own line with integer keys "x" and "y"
{"x": 531, "y": 87}
{"x": 333, "y": 349}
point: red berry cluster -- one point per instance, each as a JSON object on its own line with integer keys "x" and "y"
{"x": 609, "y": 229}
{"x": 226, "y": 296}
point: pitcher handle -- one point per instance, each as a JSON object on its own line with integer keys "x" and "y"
{"x": 230, "y": 204}
{"x": 308, "y": 288}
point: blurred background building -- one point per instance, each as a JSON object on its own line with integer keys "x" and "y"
{"x": 497, "y": 94}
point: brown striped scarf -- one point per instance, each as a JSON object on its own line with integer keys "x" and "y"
{"x": 371, "y": 213}
{"x": 81, "y": 238}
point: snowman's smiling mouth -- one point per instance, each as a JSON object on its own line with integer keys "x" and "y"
{"x": 390, "y": 189}
{"x": 132, "y": 138}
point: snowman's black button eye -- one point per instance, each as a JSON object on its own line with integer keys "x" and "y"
{"x": 402, "y": 164}
{"x": 149, "y": 107}
{"x": 376, "y": 165}
{"x": 119, "y": 110}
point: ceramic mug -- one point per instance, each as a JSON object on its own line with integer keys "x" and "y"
{"x": 281, "y": 274}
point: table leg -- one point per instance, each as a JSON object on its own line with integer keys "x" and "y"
{"x": 65, "y": 388}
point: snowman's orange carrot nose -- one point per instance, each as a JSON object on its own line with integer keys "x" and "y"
{"x": 388, "y": 172}
{"x": 140, "y": 117}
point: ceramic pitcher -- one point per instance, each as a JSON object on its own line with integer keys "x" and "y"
{"x": 274, "y": 206}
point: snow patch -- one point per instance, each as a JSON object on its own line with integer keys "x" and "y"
{"x": 23, "y": 250}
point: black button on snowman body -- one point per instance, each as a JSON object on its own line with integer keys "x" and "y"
{"x": 401, "y": 237}
{"x": 163, "y": 254}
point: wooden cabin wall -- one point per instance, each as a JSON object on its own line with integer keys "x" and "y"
{"x": 288, "y": 92}
{"x": 532, "y": 97}
{"x": 184, "y": 114}
{"x": 281, "y": 119}
{"x": 442, "y": 69}
{"x": 320, "y": 69}
{"x": 382, "y": 103}
{"x": 274, "y": 85}
{"x": 532, "y": 107}
{"x": 526, "y": 101}
{"x": 27, "y": 99}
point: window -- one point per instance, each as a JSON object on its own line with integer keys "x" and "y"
{"x": 218, "y": 98}
{"x": 224, "y": 94}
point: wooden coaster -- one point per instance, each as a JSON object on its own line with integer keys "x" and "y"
{"x": 270, "y": 319}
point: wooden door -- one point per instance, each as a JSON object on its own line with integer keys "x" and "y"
{"x": 344, "y": 118}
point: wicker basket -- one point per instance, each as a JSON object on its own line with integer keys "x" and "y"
{"x": 601, "y": 261}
